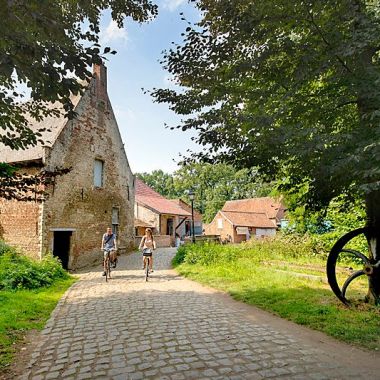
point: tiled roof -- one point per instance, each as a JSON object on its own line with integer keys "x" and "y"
{"x": 151, "y": 199}
{"x": 53, "y": 126}
{"x": 186, "y": 207}
{"x": 248, "y": 219}
{"x": 267, "y": 205}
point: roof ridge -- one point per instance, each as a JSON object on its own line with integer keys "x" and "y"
{"x": 248, "y": 199}
{"x": 245, "y": 212}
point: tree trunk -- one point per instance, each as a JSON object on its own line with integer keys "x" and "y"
{"x": 373, "y": 238}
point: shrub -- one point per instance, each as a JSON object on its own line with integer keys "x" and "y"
{"x": 180, "y": 255}
{"x": 20, "y": 272}
{"x": 5, "y": 248}
{"x": 278, "y": 247}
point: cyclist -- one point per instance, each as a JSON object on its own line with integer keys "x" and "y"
{"x": 109, "y": 245}
{"x": 147, "y": 245}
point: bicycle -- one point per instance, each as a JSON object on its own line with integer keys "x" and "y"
{"x": 147, "y": 263}
{"x": 107, "y": 263}
{"x": 148, "y": 256}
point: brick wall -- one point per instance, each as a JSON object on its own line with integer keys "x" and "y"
{"x": 227, "y": 228}
{"x": 20, "y": 225}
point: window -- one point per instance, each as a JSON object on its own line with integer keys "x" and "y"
{"x": 115, "y": 215}
{"x": 220, "y": 223}
{"x": 115, "y": 220}
{"x": 98, "y": 173}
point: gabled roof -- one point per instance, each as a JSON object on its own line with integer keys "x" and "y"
{"x": 273, "y": 208}
{"x": 248, "y": 219}
{"x": 147, "y": 197}
{"x": 53, "y": 126}
{"x": 186, "y": 207}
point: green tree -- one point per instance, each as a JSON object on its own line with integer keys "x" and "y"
{"x": 159, "y": 181}
{"x": 213, "y": 185}
{"x": 47, "y": 46}
{"x": 290, "y": 87}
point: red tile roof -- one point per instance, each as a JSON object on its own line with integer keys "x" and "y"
{"x": 248, "y": 219}
{"x": 273, "y": 208}
{"x": 146, "y": 196}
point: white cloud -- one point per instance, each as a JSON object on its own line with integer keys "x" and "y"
{"x": 113, "y": 33}
{"x": 172, "y": 5}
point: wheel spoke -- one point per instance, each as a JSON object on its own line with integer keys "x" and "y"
{"x": 350, "y": 279}
{"x": 357, "y": 254}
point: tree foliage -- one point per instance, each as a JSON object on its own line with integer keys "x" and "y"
{"x": 159, "y": 181}
{"x": 213, "y": 185}
{"x": 47, "y": 46}
{"x": 27, "y": 187}
{"x": 290, "y": 87}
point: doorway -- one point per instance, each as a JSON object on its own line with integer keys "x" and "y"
{"x": 169, "y": 227}
{"x": 61, "y": 246}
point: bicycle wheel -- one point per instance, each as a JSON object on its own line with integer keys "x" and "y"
{"x": 108, "y": 268}
{"x": 147, "y": 268}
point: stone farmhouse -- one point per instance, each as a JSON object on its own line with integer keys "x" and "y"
{"x": 98, "y": 191}
{"x": 166, "y": 217}
{"x": 243, "y": 219}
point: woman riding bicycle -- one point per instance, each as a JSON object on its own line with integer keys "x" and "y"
{"x": 147, "y": 245}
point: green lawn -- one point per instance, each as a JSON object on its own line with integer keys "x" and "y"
{"x": 266, "y": 278}
{"x": 25, "y": 310}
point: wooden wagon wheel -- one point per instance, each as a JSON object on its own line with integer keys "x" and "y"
{"x": 368, "y": 267}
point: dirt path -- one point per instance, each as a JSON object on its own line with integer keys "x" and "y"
{"x": 172, "y": 328}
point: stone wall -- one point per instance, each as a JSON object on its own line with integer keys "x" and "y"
{"x": 75, "y": 202}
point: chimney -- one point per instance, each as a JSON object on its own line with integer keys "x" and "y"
{"x": 100, "y": 75}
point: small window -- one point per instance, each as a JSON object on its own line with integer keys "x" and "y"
{"x": 115, "y": 215}
{"x": 98, "y": 173}
{"x": 220, "y": 223}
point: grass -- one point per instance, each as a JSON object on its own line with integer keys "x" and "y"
{"x": 249, "y": 274}
{"x": 25, "y": 310}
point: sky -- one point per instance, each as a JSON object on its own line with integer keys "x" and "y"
{"x": 149, "y": 145}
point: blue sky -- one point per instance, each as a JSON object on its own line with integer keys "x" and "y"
{"x": 149, "y": 145}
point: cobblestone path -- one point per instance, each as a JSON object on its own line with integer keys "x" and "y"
{"x": 172, "y": 328}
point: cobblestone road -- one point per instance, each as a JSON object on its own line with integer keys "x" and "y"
{"x": 172, "y": 328}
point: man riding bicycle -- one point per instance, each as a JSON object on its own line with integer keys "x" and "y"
{"x": 109, "y": 246}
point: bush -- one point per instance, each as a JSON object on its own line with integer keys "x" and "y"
{"x": 180, "y": 255}
{"x": 280, "y": 247}
{"x": 5, "y": 248}
{"x": 20, "y": 272}
{"x": 275, "y": 248}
